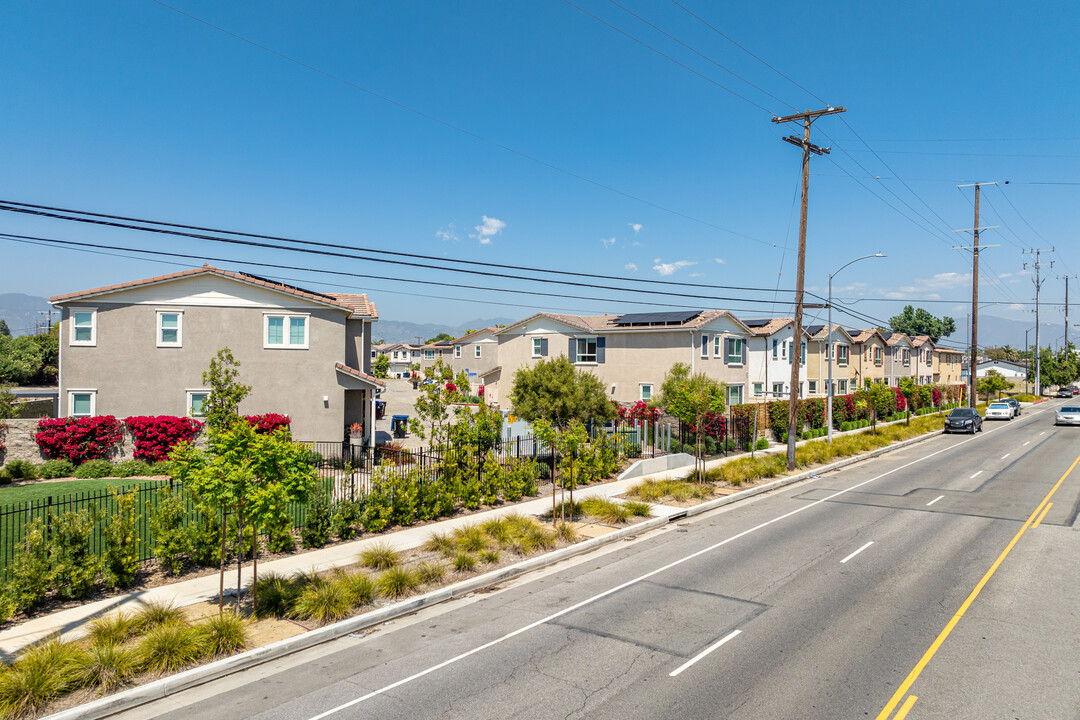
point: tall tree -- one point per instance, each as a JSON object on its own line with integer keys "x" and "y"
{"x": 381, "y": 366}
{"x": 558, "y": 392}
{"x": 440, "y": 337}
{"x": 4, "y": 329}
{"x": 691, "y": 398}
{"x": 914, "y": 321}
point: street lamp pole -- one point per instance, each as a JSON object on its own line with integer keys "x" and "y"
{"x": 831, "y": 353}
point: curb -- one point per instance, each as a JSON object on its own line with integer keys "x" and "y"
{"x": 173, "y": 684}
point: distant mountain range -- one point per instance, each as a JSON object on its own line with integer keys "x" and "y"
{"x": 996, "y": 332}
{"x": 22, "y": 313}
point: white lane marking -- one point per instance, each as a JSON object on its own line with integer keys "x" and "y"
{"x": 1043, "y": 432}
{"x": 977, "y": 472}
{"x": 1005, "y": 455}
{"x": 628, "y": 583}
{"x": 703, "y": 653}
{"x": 934, "y": 500}
{"x": 856, "y": 552}
{"x": 1027, "y": 443}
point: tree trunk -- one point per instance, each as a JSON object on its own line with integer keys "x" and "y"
{"x": 254, "y": 573}
{"x": 239, "y": 554}
{"x": 221, "y": 577}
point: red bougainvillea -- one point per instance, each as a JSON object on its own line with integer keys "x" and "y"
{"x": 78, "y": 439}
{"x": 638, "y": 411}
{"x": 901, "y": 401}
{"x": 155, "y": 436}
{"x": 269, "y": 422}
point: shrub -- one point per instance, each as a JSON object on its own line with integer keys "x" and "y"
{"x": 345, "y": 519}
{"x": 440, "y": 543}
{"x": 470, "y": 538}
{"x": 5, "y": 476}
{"x": 464, "y": 561}
{"x": 78, "y": 439}
{"x": 21, "y": 470}
{"x": 358, "y": 587}
{"x": 95, "y": 469}
{"x": 29, "y": 578}
{"x": 131, "y": 468}
{"x": 169, "y": 647}
{"x": 162, "y": 467}
{"x": 566, "y": 532}
{"x": 112, "y": 629}
{"x": 269, "y": 422}
{"x": 42, "y": 673}
{"x": 204, "y": 539}
{"x": 105, "y": 666}
{"x": 762, "y": 444}
{"x": 605, "y": 510}
{"x": 120, "y": 561}
{"x": 155, "y": 613}
{"x": 316, "y": 530}
{"x": 638, "y": 509}
{"x": 631, "y": 450}
{"x": 279, "y": 534}
{"x": 169, "y": 527}
{"x": 489, "y": 556}
{"x": 52, "y": 469}
{"x": 428, "y": 572}
{"x": 74, "y": 566}
{"x": 155, "y": 436}
{"x": 380, "y": 557}
{"x": 275, "y": 595}
{"x": 221, "y": 634}
{"x": 324, "y": 602}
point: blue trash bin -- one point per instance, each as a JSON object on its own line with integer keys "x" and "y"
{"x": 398, "y": 425}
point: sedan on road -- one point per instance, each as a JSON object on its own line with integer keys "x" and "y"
{"x": 1064, "y": 393}
{"x": 1014, "y": 404}
{"x": 1067, "y": 415}
{"x": 963, "y": 420}
{"x": 999, "y": 411}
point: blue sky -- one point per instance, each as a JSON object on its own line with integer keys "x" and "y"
{"x": 533, "y": 134}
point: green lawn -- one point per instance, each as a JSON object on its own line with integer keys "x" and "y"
{"x": 10, "y": 494}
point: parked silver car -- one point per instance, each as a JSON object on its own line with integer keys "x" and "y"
{"x": 1067, "y": 415}
{"x": 999, "y": 411}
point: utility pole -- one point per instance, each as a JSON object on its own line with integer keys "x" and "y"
{"x": 1038, "y": 286}
{"x": 974, "y": 248}
{"x": 1066, "y": 279}
{"x": 796, "y": 346}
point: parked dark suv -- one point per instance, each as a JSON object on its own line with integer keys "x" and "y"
{"x": 963, "y": 420}
{"x": 1015, "y": 404}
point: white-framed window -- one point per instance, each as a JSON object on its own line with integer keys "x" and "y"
{"x": 877, "y": 356}
{"x": 457, "y": 351}
{"x": 586, "y": 350}
{"x": 778, "y": 389}
{"x": 196, "y": 402}
{"x": 170, "y": 328}
{"x": 775, "y": 345}
{"x": 82, "y": 403}
{"x": 734, "y": 394}
{"x": 646, "y": 392}
{"x": 429, "y": 354}
{"x": 476, "y": 351}
{"x": 704, "y": 346}
{"x": 841, "y": 355}
{"x": 907, "y": 357}
{"x": 758, "y": 389}
{"x": 733, "y": 351}
{"x": 284, "y": 331}
{"x": 783, "y": 350}
{"x": 802, "y": 353}
{"x": 83, "y": 326}
{"x": 842, "y": 384}
{"x": 537, "y": 347}
{"x": 812, "y": 387}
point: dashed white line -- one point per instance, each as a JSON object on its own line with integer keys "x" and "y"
{"x": 1043, "y": 432}
{"x": 704, "y": 652}
{"x": 856, "y": 552}
{"x": 977, "y": 472}
{"x": 934, "y": 500}
{"x": 1005, "y": 455}
{"x": 1027, "y": 443}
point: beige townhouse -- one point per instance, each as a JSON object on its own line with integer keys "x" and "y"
{"x": 868, "y": 363}
{"x": 948, "y": 366}
{"x": 821, "y": 353}
{"x": 898, "y": 364}
{"x": 475, "y": 353}
{"x": 923, "y": 359}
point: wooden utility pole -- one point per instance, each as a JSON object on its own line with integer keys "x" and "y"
{"x": 1066, "y": 278}
{"x": 1038, "y": 281}
{"x": 973, "y": 360}
{"x": 796, "y": 346}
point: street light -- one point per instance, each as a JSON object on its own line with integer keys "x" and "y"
{"x": 829, "y": 346}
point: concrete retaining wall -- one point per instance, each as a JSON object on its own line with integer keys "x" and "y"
{"x": 19, "y": 442}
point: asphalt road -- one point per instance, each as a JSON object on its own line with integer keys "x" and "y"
{"x": 916, "y": 584}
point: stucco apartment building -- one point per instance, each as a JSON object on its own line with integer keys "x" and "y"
{"x": 140, "y": 348}
{"x": 948, "y": 366}
{"x": 630, "y": 354}
{"x": 476, "y": 353}
{"x": 868, "y": 365}
{"x": 820, "y": 353}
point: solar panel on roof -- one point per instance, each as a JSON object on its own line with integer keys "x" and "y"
{"x": 288, "y": 287}
{"x": 757, "y": 323}
{"x": 657, "y": 318}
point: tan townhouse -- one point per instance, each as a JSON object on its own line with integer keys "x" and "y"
{"x": 868, "y": 363}
{"x": 475, "y": 353}
{"x": 822, "y": 353}
{"x": 898, "y": 364}
{"x": 923, "y": 359}
{"x": 948, "y": 366}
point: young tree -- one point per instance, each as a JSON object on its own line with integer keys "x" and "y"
{"x": 381, "y": 366}
{"x": 691, "y": 398}
{"x": 568, "y": 441}
{"x": 993, "y": 382}
{"x": 433, "y": 406}
{"x": 882, "y": 400}
{"x": 222, "y": 408}
{"x": 910, "y": 391}
{"x": 556, "y": 391}
{"x": 914, "y": 322}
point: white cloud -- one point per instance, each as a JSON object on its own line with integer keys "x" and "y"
{"x": 926, "y": 288}
{"x": 636, "y": 244}
{"x": 671, "y": 268}
{"x": 637, "y": 227}
{"x": 630, "y": 267}
{"x": 607, "y": 242}
{"x": 697, "y": 274}
{"x": 722, "y": 261}
{"x": 487, "y": 229}
{"x": 1017, "y": 306}
{"x": 448, "y": 234}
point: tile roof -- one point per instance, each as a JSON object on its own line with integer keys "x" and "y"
{"x": 920, "y": 340}
{"x": 607, "y": 323}
{"x": 209, "y": 269}
{"x": 359, "y": 304}
{"x": 821, "y": 332}
{"x": 863, "y": 335}
{"x": 771, "y": 326}
{"x": 894, "y": 339}
{"x": 474, "y": 333}
{"x": 342, "y": 367}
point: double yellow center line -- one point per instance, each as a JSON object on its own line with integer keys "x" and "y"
{"x": 1032, "y": 521}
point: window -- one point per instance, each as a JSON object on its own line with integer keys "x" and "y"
{"x": 196, "y": 403}
{"x": 907, "y": 357}
{"x": 457, "y": 351}
{"x": 812, "y": 386}
{"x": 774, "y": 345}
{"x": 828, "y": 355}
{"x": 586, "y": 350}
{"x": 734, "y": 394}
{"x": 877, "y": 356}
{"x": 476, "y": 351}
{"x": 83, "y": 326}
{"x": 646, "y": 392}
{"x": 778, "y": 389}
{"x": 758, "y": 390}
{"x": 843, "y": 386}
{"x": 538, "y": 347}
{"x": 841, "y": 355}
{"x": 717, "y": 346}
{"x": 286, "y": 331}
{"x": 429, "y": 354}
{"x": 783, "y": 350}
{"x": 802, "y": 353}
{"x": 169, "y": 326}
{"x": 733, "y": 351}
{"x": 704, "y": 346}
{"x": 82, "y": 403}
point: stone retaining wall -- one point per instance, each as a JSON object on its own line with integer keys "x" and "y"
{"x": 19, "y": 442}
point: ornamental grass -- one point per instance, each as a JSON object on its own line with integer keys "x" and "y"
{"x": 380, "y": 556}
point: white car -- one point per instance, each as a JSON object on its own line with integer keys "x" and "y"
{"x": 1067, "y": 415}
{"x": 999, "y": 411}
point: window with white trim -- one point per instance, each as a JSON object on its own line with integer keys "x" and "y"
{"x": 704, "y": 346}
{"x": 429, "y": 354}
{"x": 877, "y": 356}
{"x": 476, "y": 351}
{"x": 758, "y": 389}
{"x": 196, "y": 402}
{"x": 457, "y": 351}
{"x": 735, "y": 394}
{"x": 812, "y": 387}
{"x": 778, "y": 389}
{"x": 775, "y": 344}
{"x": 82, "y": 403}
{"x": 646, "y": 392}
{"x": 783, "y": 350}
{"x": 586, "y": 350}
{"x": 170, "y": 325}
{"x": 537, "y": 347}
{"x": 733, "y": 351}
{"x": 83, "y": 326}
{"x": 841, "y": 355}
{"x": 285, "y": 331}
{"x": 843, "y": 387}
{"x": 907, "y": 357}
